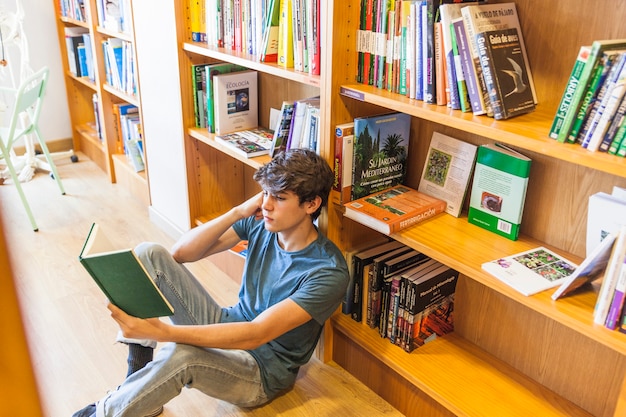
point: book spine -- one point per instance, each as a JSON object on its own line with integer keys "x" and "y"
{"x": 614, "y": 125}
{"x": 611, "y": 275}
{"x": 617, "y": 304}
{"x": 619, "y": 138}
{"x": 473, "y": 90}
{"x": 440, "y": 66}
{"x": 460, "y": 77}
{"x": 404, "y": 47}
{"x": 451, "y": 91}
{"x": 360, "y": 41}
{"x": 430, "y": 93}
{"x": 419, "y": 50}
{"x": 410, "y": 221}
{"x": 487, "y": 67}
{"x": 570, "y": 87}
{"x": 387, "y": 68}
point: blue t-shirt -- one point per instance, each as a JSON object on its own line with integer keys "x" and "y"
{"x": 315, "y": 277}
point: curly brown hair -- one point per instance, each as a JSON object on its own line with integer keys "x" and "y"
{"x": 301, "y": 171}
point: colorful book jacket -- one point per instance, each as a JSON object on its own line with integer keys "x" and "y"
{"x": 505, "y": 72}
{"x": 380, "y": 152}
{"x": 394, "y": 209}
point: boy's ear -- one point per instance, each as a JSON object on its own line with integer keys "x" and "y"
{"x": 313, "y": 205}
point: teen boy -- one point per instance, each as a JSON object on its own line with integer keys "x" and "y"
{"x": 246, "y": 354}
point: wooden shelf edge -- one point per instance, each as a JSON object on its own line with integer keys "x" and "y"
{"x": 251, "y": 62}
{"x": 474, "y": 380}
{"x": 528, "y": 132}
{"x": 121, "y": 95}
{"x": 465, "y": 247}
{"x": 208, "y": 138}
{"x": 123, "y": 162}
{"x": 88, "y": 132}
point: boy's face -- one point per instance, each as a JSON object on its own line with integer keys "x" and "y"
{"x": 283, "y": 212}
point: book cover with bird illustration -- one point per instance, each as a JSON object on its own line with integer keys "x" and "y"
{"x": 505, "y": 72}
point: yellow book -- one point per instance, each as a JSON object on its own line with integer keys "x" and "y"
{"x": 285, "y": 36}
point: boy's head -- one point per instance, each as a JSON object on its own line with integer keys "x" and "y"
{"x": 301, "y": 171}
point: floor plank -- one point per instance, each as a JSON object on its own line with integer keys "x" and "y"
{"x": 67, "y": 325}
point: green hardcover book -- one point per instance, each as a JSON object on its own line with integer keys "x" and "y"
{"x": 122, "y": 278}
{"x": 211, "y": 71}
{"x": 597, "y": 49}
{"x": 499, "y": 190}
{"x": 566, "y": 98}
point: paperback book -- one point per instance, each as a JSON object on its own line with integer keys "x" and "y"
{"x": 248, "y": 145}
{"x": 429, "y": 307}
{"x": 589, "y": 270}
{"x": 499, "y": 190}
{"x": 447, "y": 171}
{"x": 505, "y": 72}
{"x": 381, "y": 148}
{"x": 486, "y": 17}
{"x": 531, "y": 271}
{"x": 236, "y": 101}
{"x": 394, "y": 209}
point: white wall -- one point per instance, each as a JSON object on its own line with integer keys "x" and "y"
{"x": 39, "y": 27}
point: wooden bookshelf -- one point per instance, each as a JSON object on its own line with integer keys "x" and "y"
{"x": 509, "y": 355}
{"x": 103, "y": 151}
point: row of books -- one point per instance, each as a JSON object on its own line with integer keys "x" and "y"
{"x": 403, "y": 293}
{"x": 466, "y": 55}
{"x": 370, "y": 168}
{"x": 73, "y": 9}
{"x": 79, "y": 53}
{"x": 296, "y": 125}
{"x": 129, "y": 134}
{"x": 119, "y": 65}
{"x": 593, "y": 106}
{"x": 281, "y": 31}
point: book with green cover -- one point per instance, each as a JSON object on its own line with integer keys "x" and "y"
{"x": 121, "y": 277}
{"x": 572, "y": 83}
{"x": 499, "y": 190}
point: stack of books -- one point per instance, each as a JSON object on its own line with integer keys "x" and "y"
{"x": 593, "y": 105}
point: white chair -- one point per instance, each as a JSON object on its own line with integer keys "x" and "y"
{"x": 23, "y": 120}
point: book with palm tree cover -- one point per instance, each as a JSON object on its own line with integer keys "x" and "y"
{"x": 381, "y": 148}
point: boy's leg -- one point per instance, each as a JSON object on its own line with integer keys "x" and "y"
{"x": 192, "y": 304}
{"x": 229, "y": 375}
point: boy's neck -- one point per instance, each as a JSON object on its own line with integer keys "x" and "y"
{"x": 298, "y": 238}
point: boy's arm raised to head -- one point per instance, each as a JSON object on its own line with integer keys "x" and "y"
{"x": 216, "y": 235}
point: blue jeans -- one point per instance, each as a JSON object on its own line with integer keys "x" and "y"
{"x": 226, "y": 374}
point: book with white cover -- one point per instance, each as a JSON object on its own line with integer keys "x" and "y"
{"x": 447, "y": 171}
{"x": 531, "y": 271}
{"x": 236, "y": 101}
{"x": 605, "y": 214}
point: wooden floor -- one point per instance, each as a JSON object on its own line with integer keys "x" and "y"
{"x": 70, "y": 335}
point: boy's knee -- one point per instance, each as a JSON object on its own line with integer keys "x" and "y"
{"x": 149, "y": 249}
